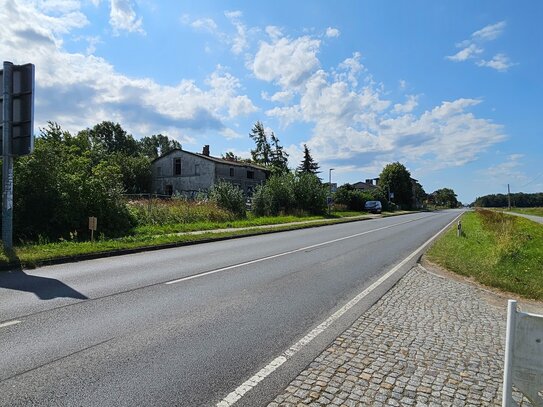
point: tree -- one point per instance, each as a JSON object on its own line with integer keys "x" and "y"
{"x": 395, "y": 178}
{"x": 112, "y": 138}
{"x": 157, "y": 145}
{"x": 278, "y": 156}
{"x": 230, "y": 156}
{"x": 262, "y": 152}
{"x": 308, "y": 164}
{"x": 445, "y": 197}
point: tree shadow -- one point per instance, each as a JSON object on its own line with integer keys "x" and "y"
{"x": 44, "y": 288}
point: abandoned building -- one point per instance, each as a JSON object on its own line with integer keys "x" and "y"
{"x": 186, "y": 173}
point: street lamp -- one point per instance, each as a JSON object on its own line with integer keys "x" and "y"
{"x": 330, "y": 196}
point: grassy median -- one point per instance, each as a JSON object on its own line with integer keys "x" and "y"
{"x": 496, "y": 249}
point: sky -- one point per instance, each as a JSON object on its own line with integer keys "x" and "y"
{"x": 451, "y": 89}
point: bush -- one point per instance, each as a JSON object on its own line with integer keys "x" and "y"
{"x": 58, "y": 187}
{"x": 229, "y": 197}
{"x": 289, "y": 194}
{"x": 309, "y": 193}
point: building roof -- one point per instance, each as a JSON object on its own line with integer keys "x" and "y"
{"x": 215, "y": 159}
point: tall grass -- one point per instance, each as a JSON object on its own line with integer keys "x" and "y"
{"x": 176, "y": 211}
{"x": 496, "y": 249}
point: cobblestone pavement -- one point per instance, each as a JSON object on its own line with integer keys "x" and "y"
{"x": 430, "y": 341}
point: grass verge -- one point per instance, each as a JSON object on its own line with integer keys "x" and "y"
{"x": 497, "y": 250}
{"x": 36, "y": 254}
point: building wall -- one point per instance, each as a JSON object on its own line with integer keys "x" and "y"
{"x": 197, "y": 174}
{"x": 239, "y": 175}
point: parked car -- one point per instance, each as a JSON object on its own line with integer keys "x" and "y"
{"x": 373, "y": 206}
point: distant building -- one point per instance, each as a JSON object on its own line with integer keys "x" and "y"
{"x": 369, "y": 185}
{"x": 188, "y": 173}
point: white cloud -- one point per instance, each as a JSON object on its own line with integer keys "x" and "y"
{"x": 353, "y": 67}
{"x": 472, "y": 48}
{"x": 332, "y": 32}
{"x": 490, "y": 32}
{"x": 206, "y": 24}
{"x": 468, "y": 52}
{"x": 122, "y": 17}
{"x": 499, "y": 62}
{"x": 78, "y": 90}
{"x": 274, "y": 32}
{"x": 352, "y": 124}
{"x": 287, "y": 62}
{"x": 239, "y": 41}
{"x": 408, "y": 106}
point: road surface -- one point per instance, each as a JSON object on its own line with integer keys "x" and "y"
{"x": 187, "y": 326}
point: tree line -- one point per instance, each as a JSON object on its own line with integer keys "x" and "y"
{"x": 518, "y": 199}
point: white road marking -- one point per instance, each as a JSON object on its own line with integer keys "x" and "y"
{"x": 207, "y": 273}
{"x": 9, "y": 323}
{"x": 240, "y": 391}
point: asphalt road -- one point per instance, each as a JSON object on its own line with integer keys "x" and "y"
{"x": 186, "y": 326}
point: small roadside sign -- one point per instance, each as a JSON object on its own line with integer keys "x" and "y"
{"x": 93, "y": 224}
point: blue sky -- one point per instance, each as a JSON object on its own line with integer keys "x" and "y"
{"x": 452, "y": 89}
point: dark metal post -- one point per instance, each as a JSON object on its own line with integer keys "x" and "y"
{"x": 330, "y": 196}
{"x": 7, "y": 158}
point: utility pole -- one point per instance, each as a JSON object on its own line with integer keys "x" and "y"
{"x": 508, "y": 197}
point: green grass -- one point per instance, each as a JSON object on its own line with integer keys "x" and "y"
{"x": 497, "y": 250}
{"x": 36, "y": 254}
{"x": 529, "y": 211}
{"x": 250, "y": 221}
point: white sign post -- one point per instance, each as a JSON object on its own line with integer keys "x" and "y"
{"x": 523, "y": 356}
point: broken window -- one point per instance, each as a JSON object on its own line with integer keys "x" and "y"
{"x": 177, "y": 166}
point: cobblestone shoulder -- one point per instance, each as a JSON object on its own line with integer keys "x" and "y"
{"x": 430, "y": 341}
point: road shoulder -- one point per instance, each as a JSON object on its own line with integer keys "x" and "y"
{"x": 434, "y": 339}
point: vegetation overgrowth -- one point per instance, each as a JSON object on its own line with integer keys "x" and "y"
{"x": 496, "y": 249}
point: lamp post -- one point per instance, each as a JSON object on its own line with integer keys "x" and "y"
{"x": 330, "y": 196}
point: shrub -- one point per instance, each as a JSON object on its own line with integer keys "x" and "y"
{"x": 229, "y": 197}
{"x": 289, "y": 194}
{"x": 309, "y": 193}
{"x": 58, "y": 187}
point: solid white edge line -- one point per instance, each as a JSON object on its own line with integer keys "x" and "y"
{"x": 286, "y": 253}
{"x": 240, "y": 391}
{"x": 9, "y": 323}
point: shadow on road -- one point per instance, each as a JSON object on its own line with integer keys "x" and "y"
{"x": 43, "y": 287}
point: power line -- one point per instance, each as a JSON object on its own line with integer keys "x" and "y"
{"x": 534, "y": 179}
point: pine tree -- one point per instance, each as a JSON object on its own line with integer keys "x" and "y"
{"x": 279, "y": 157}
{"x": 308, "y": 165}
{"x": 262, "y": 152}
